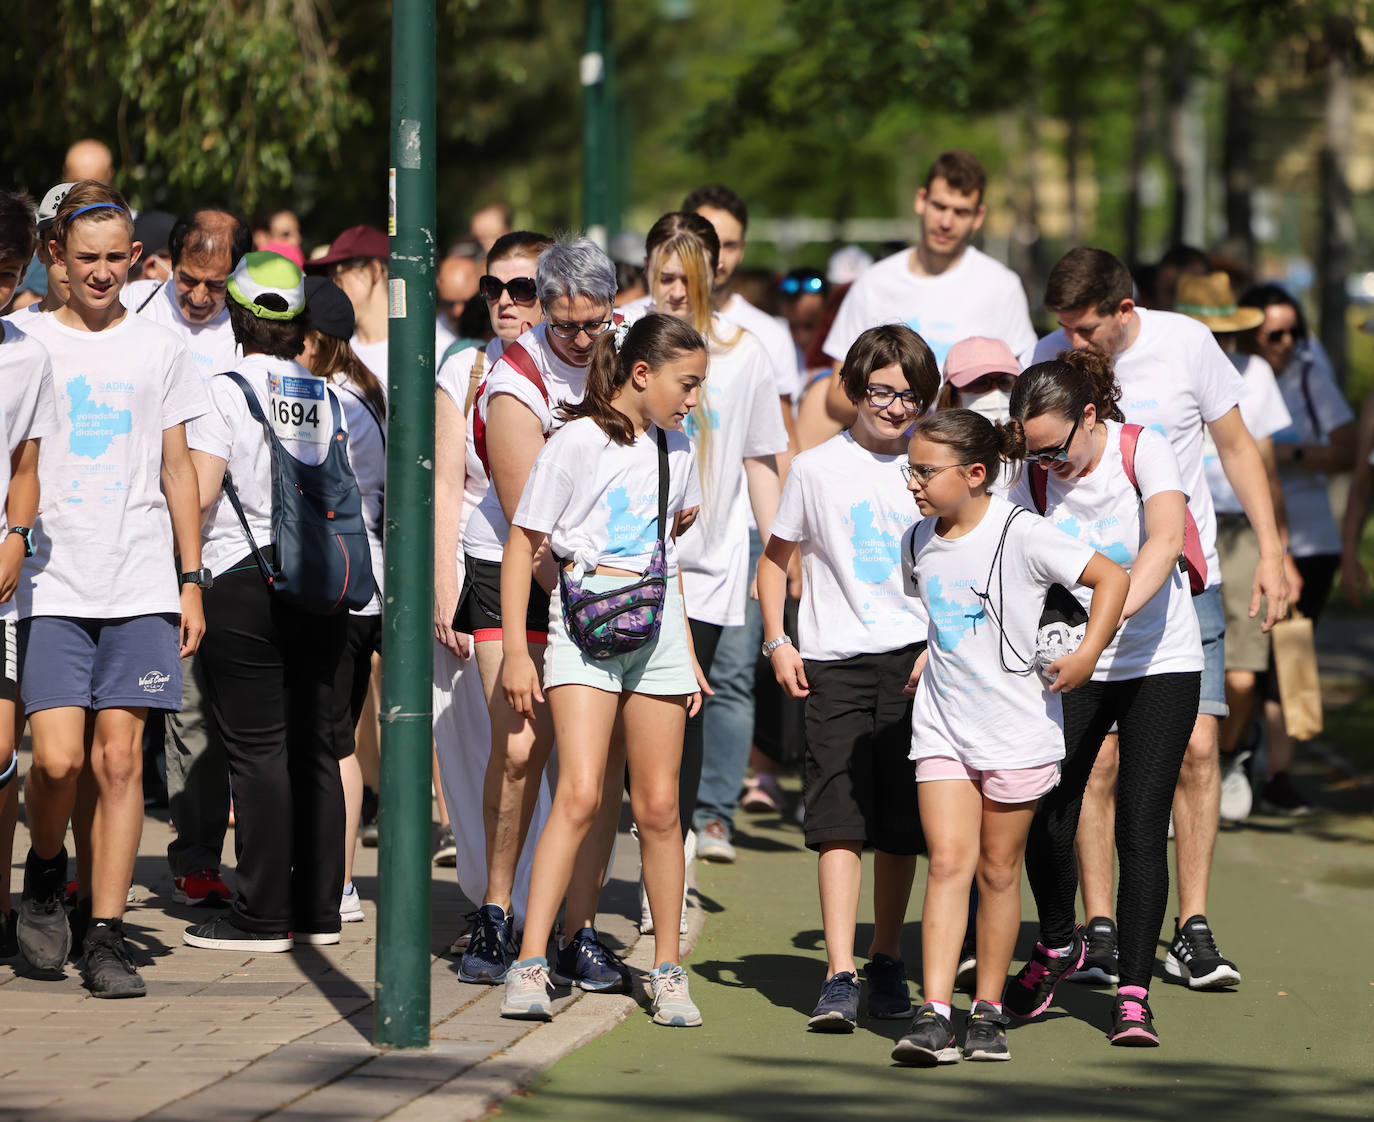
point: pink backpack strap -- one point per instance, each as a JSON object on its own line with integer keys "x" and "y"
{"x": 1194, "y": 559}
{"x": 1130, "y": 437}
{"x": 520, "y": 358}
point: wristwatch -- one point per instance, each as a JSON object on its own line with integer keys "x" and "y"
{"x": 199, "y": 577}
{"x": 773, "y": 644}
{"x": 27, "y": 534}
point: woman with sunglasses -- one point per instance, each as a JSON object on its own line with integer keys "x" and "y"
{"x": 1118, "y": 489}
{"x": 1320, "y": 441}
{"x": 514, "y": 416}
{"x": 462, "y": 729}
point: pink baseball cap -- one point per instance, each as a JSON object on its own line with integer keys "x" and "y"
{"x": 287, "y": 250}
{"x": 969, "y": 359}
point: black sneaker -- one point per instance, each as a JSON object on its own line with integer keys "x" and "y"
{"x": 1029, "y": 993}
{"x": 9, "y": 945}
{"x": 986, "y": 1036}
{"x": 838, "y": 1008}
{"x": 1099, "y": 962}
{"x": 41, "y": 927}
{"x": 1132, "y": 1023}
{"x": 888, "y": 997}
{"x": 1194, "y": 957}
{"x": 490, "y": 951}
{"x": 220, "y": 934}
{"x": 1279, "y": 796}
{"x": 930, "y": 1041}
{"x": 107, "y": 966}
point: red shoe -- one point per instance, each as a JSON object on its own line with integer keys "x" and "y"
{"x": 204, "y": 887}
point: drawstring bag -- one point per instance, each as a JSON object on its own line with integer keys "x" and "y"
{"x": 606, "y": 624}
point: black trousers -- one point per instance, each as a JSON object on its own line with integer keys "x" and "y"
{"x": 1155, "y": 717}
{"x": 705, "y": 638}
{"x": 270, "y": 683}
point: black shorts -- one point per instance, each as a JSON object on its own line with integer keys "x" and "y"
{"x": 860, "y": 785}
{"x": 479, "y": 607}
{"x": 9, "y": 661}
{"x": 352, "y": 679}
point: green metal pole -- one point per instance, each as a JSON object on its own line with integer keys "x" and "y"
{"x": 596, "y": 138}
{"x": 402, "y": 1011}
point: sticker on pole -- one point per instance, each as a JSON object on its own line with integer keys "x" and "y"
{"x": 299, "y": 409}
{"x": 391, "y": 204}
{"x": 397, "y": 304}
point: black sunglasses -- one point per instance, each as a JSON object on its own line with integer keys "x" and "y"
{"x": 521, "y": 289}
{"x": 1048, "y": 456}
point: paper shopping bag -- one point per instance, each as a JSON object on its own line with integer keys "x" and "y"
{"x": 1295, "y": 663}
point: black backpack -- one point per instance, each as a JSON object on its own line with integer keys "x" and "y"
{"x": 322, "y": 562}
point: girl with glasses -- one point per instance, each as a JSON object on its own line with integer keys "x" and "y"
{"x": 1116, "y": 488}
{"x": 854, "y": 662}
{"x": 986, "y": 730}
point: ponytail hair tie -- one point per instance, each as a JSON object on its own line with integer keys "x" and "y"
{"x": 622, "y": 329}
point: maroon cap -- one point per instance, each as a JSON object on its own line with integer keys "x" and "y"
{"x": 356, "y": 241}
{"x": 969, "y": 359}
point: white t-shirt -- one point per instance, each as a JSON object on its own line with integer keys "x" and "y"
{"x": 211, "y": 345}
{"x": 28, "y": 410}
{"x": 367, "y": 457}
{"x": 598, "y": 500}
{"x": 1318, "y": 408}
{"x": 453, "y": 379}
{"x": 484, "y": 535}
{"x": 374, "y": 356}
{"x": 776, "y": 338}
{"x": 1264, "y": 413}
{"x": 976, "y": 296}
{"x": 968, "y": 707}
{"x": 849, "y": 508}
{"x": 103, "y": 543}
{"x": 740, "y": 404}
{"x": 229, "y": 431}
{"x": 1103, "y": 510}
{"x": 1176, "y": 380}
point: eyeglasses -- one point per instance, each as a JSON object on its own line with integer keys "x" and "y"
{"x": 521, "y": 289}
{"x": 573, "y": 330}
{"x": 1279, "y": 334}
{"x": 986, "y": 382}
{"x": 880, "y": 397}
{"x": 924, "y": 473}
{"x": 792, "y": 285}
{"x": 1055, "y": 455}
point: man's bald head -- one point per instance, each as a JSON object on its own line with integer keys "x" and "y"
{"x": 88, "y": 159}
{"x": 205, "y": 246}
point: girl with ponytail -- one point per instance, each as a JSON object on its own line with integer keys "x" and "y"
{"x": 1116, "y": 488}
{"x": 605, "y": 493}
{"x": 986, "y": 729}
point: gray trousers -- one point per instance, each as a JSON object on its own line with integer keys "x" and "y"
{"x": 197, "y": 780}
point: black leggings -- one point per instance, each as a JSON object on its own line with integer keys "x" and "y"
{"x": 1155, "y": 717}
{"x": 705, "y": 638}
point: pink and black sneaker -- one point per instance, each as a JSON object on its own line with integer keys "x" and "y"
{"x": 1029, "y": 993}
{"x": 1132, "y": 1024}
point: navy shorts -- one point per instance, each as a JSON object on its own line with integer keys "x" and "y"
{"x": 126, "y": 663}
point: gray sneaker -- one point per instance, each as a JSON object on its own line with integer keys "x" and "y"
{"x": 527, "y": 991}
{"x": 672, "y": 1004}
{"x": 713, "y": 843}
{"x": 107, "y": 967}
{"x": 44, "y": 936}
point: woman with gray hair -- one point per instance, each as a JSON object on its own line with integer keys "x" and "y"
{"x": 515, "y": 413}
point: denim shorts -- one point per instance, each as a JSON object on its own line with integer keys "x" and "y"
{"x": 1211, "y": 618}
{"x": 129, "y": 663}
{"x": 662, "y": 667}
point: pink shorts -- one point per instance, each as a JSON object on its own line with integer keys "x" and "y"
{"x": 1001, "y": 785}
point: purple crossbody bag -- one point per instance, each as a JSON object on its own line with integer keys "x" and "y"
{"x": 606, "y": 624}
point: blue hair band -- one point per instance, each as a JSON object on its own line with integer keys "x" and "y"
{"x": 92, "y": 206}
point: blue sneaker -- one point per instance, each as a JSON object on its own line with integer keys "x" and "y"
{"x": 490, "y": 952}
{"x": 838, "y": 1008}
{"x": 589, "y": 963}
{"x": 888, "y": 997}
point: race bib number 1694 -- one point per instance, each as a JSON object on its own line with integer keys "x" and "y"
{"x": 298, "y": 408}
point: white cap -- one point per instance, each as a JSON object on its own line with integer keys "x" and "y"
{"x": 52, "y": 201}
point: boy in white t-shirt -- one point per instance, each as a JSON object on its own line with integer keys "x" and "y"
{"x": 1176, "y": 380}
{"x": 944, "y": 289}
{"x": 27, "y": 413}
{"x": 859, "y": 639}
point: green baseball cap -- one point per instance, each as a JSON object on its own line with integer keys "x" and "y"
{"x": 262, "y": 274}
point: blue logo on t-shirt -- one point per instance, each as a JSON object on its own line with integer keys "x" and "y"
{"x": 876, "y": 552}
{"x": 625, "y": 532}
{"x": 952, "y": 620}
{"x": 938, "y": 336}
{"x": 690, "y": 426}
{"x": 1115, "y": 551}
{"x": 94, "y": 424}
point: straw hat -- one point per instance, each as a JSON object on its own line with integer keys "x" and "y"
{"x": 1210, "y": 300}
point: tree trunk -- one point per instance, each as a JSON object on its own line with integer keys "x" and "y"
{"x": 1178, "y": 88}
{"x": 1238, "y": 152}
{"x": 1074, "y": 149}
{"x": 1337, "y": 212}
{"x": 1142, "y": 136}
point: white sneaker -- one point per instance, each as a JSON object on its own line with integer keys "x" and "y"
{"x": 350, "y": 905}
{"x": 1237, "y": 796}
{"x": 527, "y": 991}
{"x": 672, "y": 1004}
